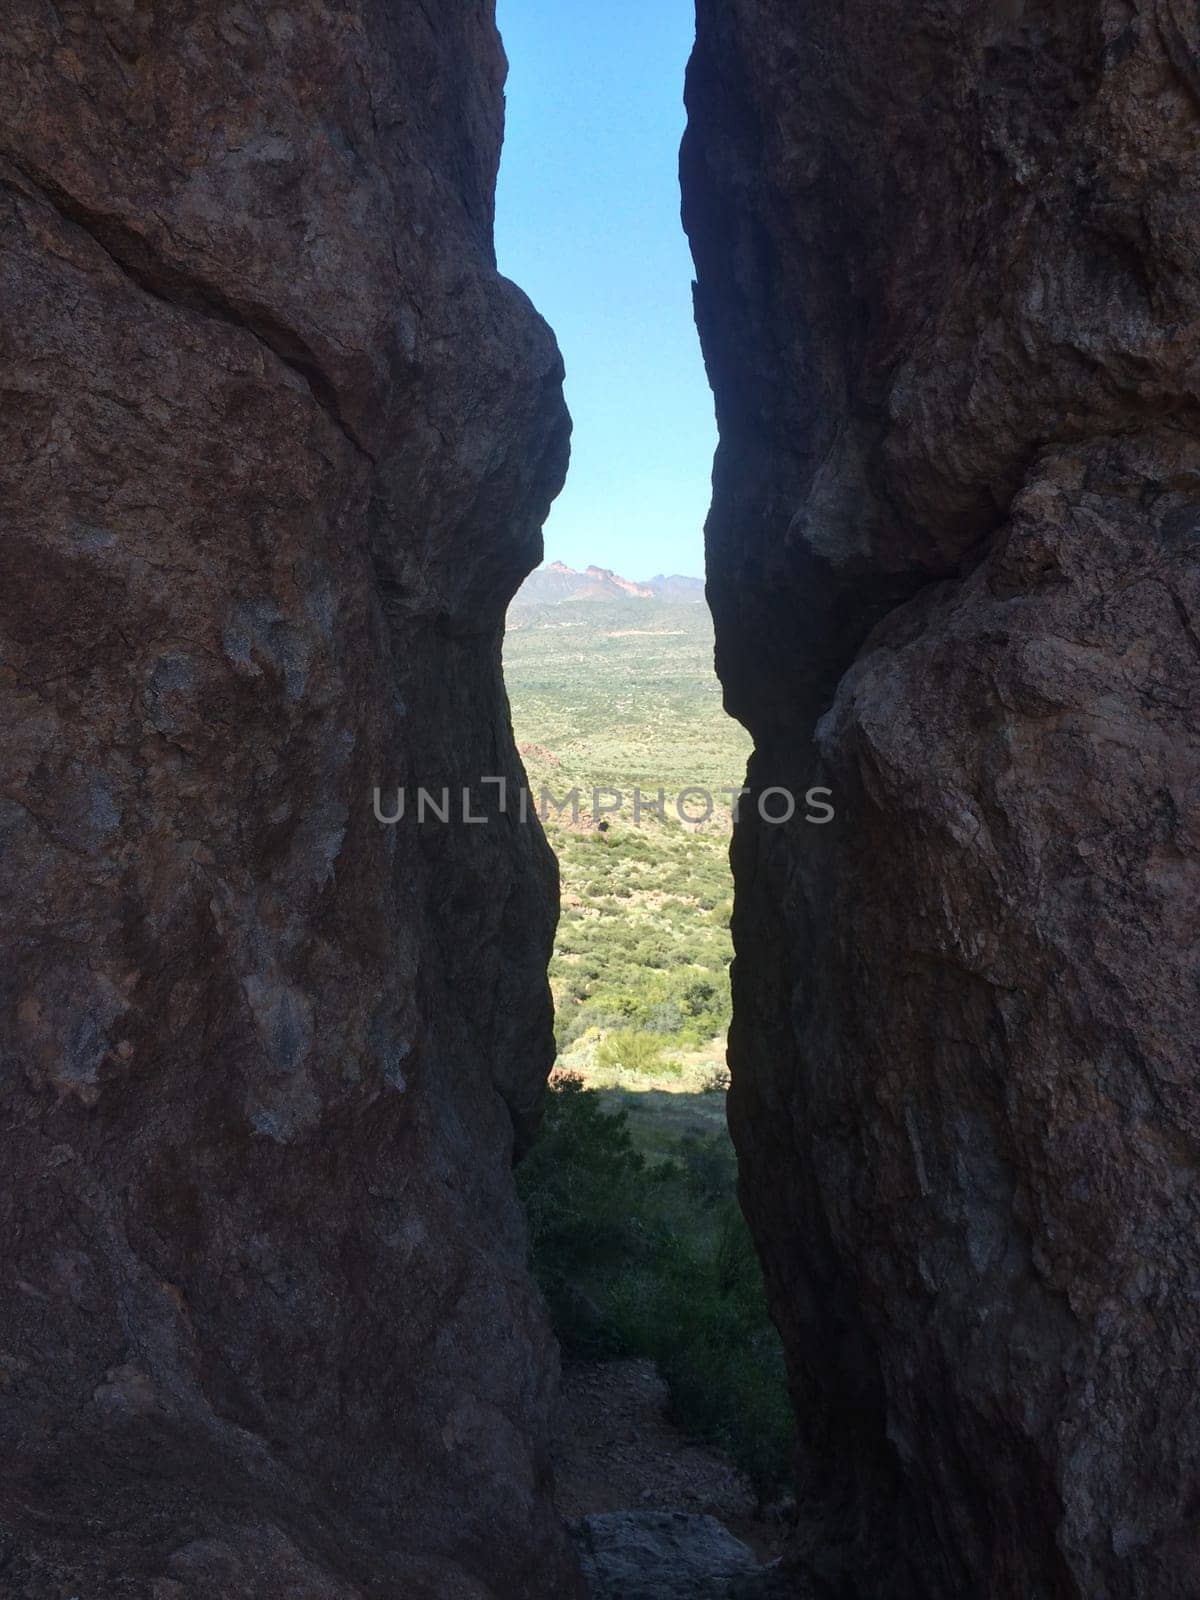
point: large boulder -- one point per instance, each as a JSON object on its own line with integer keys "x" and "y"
{"x": 949, "y": 294}
{"x": 667, "y": 1555}
{"x": 276, "y": 443}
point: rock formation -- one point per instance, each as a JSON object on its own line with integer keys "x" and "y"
{"x": 277, "y": 444}
{"x": 668, "y": 1555}
{"x": 949, "y": 296}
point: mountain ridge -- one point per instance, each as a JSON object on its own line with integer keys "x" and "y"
{"x": 556, "y": 583}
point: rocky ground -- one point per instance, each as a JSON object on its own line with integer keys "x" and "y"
{"x": 653, "y": 1512}
{"x": 616, "y": 1449}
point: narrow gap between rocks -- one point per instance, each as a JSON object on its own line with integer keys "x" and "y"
{"x": 674, "y": 1401}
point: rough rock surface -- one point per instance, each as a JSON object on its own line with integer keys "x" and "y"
{"x": 663, "y": 1555}
{"x": 275, "y": 445}
{"x": 949, "y": 294}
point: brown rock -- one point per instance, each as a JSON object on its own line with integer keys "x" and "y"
{"x": 948, "y": 293}
{"x": 275, "y": 445}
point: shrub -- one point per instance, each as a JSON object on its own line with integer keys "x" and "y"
{"x": 657, "y": 1261}
{"x": 716, "y": 1081}
{"x": 699, "y": 998}
{"x": 708, "y": 1167}
{"x": 631, "y": 1051}
{"x": 579, "y": 1185}
{"x": 665, "y": 1017}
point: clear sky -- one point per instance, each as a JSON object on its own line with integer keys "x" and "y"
{"x": 588, "y": 224}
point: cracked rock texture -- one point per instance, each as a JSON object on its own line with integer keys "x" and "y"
{"x": 948, "y": 290}
{"x": 276, "y": 442}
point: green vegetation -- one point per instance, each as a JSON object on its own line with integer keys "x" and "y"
{"x": 621, "y": 695}
{"x": 641, "y": 1258}
{"x": 617, "y": 696}
{"x": 637, "y": 1240}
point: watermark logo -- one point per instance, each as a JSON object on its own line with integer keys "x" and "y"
{"x": 694, "y": 805}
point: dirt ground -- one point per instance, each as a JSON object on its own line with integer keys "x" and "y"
{"x": 616, "y": 1450}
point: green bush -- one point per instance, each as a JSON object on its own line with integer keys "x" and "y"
{"x": 581, "y": 1185}
{"x": 708, "y": 1168}
{"x": 631, "y": 1051}
{"x": 699, "y": 998}
{"x": 657, "y": 1261}
{"x": 665, "y": 1017}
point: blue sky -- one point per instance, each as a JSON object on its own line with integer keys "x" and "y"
{"x": 588, "y": 224}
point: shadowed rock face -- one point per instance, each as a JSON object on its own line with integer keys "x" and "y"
{"x": 275, "y": 445}
{"x": 948, "y": 290}
{"x": 665, "y": 1555}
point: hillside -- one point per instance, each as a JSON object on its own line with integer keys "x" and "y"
{"x": 618, "y": 696}
{"x": 620, "y": 693}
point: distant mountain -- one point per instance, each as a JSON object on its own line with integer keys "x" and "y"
{"x": 678, "y": 591}
{"x": 556, "y": 583}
